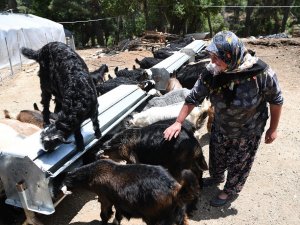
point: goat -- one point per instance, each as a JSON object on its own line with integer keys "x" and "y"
{"x": 147, "y": 62}
{"x": 98, "y": 74}
{"x": 64, "y": 74}
{"x": 162, "y": 53}
{"x": 22, "y": 128}
{"x": 172, "y": 97}
{"x": 135, "y": 74}
{"x": 28, "y": 116}
{"x": 136, "y": 191}
{"x": 147, "y": 145}
{"x": 173, "y": 84}
{"x": 211, "y": 115}
{"x": 178, "y": 44}
{"x": 154, "y": 114}
{"x": 189, "y": 74}
{"x": 113, "y": 83}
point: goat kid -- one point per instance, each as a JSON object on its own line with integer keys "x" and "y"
{"x": 136, "y": 191}
{"x": 64, "y": 74}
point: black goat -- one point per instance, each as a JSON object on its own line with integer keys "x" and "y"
{"x": 162, "y": 53}
{"x": 147, "y": 62}
{"x": 136, "y": 191}
{"x": 147, "y": 145}
{"x": 189, "y": 74}
{"x": 64, "y": 74}
{"x": 108, "y": 85}
{"x": 98, "y": 74}
{"x": 135, "y": 74}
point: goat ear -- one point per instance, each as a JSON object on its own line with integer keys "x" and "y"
{"x": 64, "y": 189}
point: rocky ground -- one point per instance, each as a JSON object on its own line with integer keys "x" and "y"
{"x": 271, "y": 194}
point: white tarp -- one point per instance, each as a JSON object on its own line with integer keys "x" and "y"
{"x": 18, "y": 30}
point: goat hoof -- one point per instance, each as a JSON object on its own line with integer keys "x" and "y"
{"x": 116, "y": 222}
{"x": 98, "y": 134}
{"x": 80, "y": 147}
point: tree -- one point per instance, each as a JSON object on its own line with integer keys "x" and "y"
{"x": 286, "y": 13}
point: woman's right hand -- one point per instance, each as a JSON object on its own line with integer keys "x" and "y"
{"x": 172, "y": 131}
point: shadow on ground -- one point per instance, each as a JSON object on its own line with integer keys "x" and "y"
{"x": 207, "y": 212}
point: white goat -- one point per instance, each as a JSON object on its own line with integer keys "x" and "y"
{"x": 154, "y": 114}
{"x": 169, "y": 98}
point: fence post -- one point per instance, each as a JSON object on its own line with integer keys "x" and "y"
{"x": 19, "y": 50}
{"x": 12, "y": 72}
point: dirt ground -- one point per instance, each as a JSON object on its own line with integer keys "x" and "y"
{"x": 271, "y": 195}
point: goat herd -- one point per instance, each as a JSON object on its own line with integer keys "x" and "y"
{"x": 161, "y": 180}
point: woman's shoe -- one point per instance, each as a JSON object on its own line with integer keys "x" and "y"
{"x": 218, "y": 202}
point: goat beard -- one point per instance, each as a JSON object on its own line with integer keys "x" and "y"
{"x": 214, "y": 69}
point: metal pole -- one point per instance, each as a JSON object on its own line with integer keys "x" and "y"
{"x": 19, "y": 50}
{"x": 12, "y": 72}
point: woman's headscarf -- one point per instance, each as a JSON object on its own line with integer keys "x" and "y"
{"x": 228, "y": 47}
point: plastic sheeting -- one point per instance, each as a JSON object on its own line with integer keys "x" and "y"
{"x": 18, "y": 30}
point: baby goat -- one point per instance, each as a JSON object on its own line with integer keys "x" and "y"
{"x": 136, "y": 191}
{"x": 64, "y": 74}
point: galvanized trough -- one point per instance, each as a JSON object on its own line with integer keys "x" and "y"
{"x": 26, "y": 170}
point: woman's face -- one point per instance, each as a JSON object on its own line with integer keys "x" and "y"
{"x": 219, "y": 62}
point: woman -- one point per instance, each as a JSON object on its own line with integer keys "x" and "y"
{"x": 240, "y": 87}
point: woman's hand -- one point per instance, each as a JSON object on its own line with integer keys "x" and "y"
{"x": 270, "y": 136}
{"x": 172, "y": 130}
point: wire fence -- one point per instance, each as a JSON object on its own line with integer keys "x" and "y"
{"x": 12, "y": 61}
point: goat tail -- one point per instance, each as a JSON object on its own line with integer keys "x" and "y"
{"x": 116, "y": 70}
{"x": 35, "y": 106}
{"x": 190, "y": 189}
{"x": 29, "y": 53}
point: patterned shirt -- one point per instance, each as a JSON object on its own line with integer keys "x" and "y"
{"x": 247, "y": 112}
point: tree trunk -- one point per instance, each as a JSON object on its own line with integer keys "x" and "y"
{"x": 249, "y": 11}
{"x": 286, "y": 13}
{"x": 277, "y": 24}
{"x": 12, "y": 4}
{"x": 118, "y": 30}
{"x": 146, "y": 14}
{"x": 209, "y": 24}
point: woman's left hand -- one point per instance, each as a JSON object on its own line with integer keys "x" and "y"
{"x": 270, "y": 136}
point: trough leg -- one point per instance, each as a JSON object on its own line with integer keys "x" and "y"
{"x": 31, "y": 218}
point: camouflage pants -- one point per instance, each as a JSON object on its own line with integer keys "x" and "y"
{"x": 234, "y": 155}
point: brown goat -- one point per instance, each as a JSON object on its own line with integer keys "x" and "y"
{"x": 136, "y": 191}
{"x": 173, "y": 84}
{"x": 22, "y": 128}
{"x": 211, "y": 115}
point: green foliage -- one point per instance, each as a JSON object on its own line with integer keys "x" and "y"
{"x": 129, "y": 18}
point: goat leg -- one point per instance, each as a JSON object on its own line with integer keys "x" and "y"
{"x": 118, "y": 218}
{"x": 79, "y": 139}
{"x": 46, "y": 97}
{"x": 96, "y": 125}
{"x": 106, "y": 211}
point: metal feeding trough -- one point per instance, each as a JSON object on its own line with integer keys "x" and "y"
{"x": 26, "y": 170}
{"x": 160, "y": 73}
